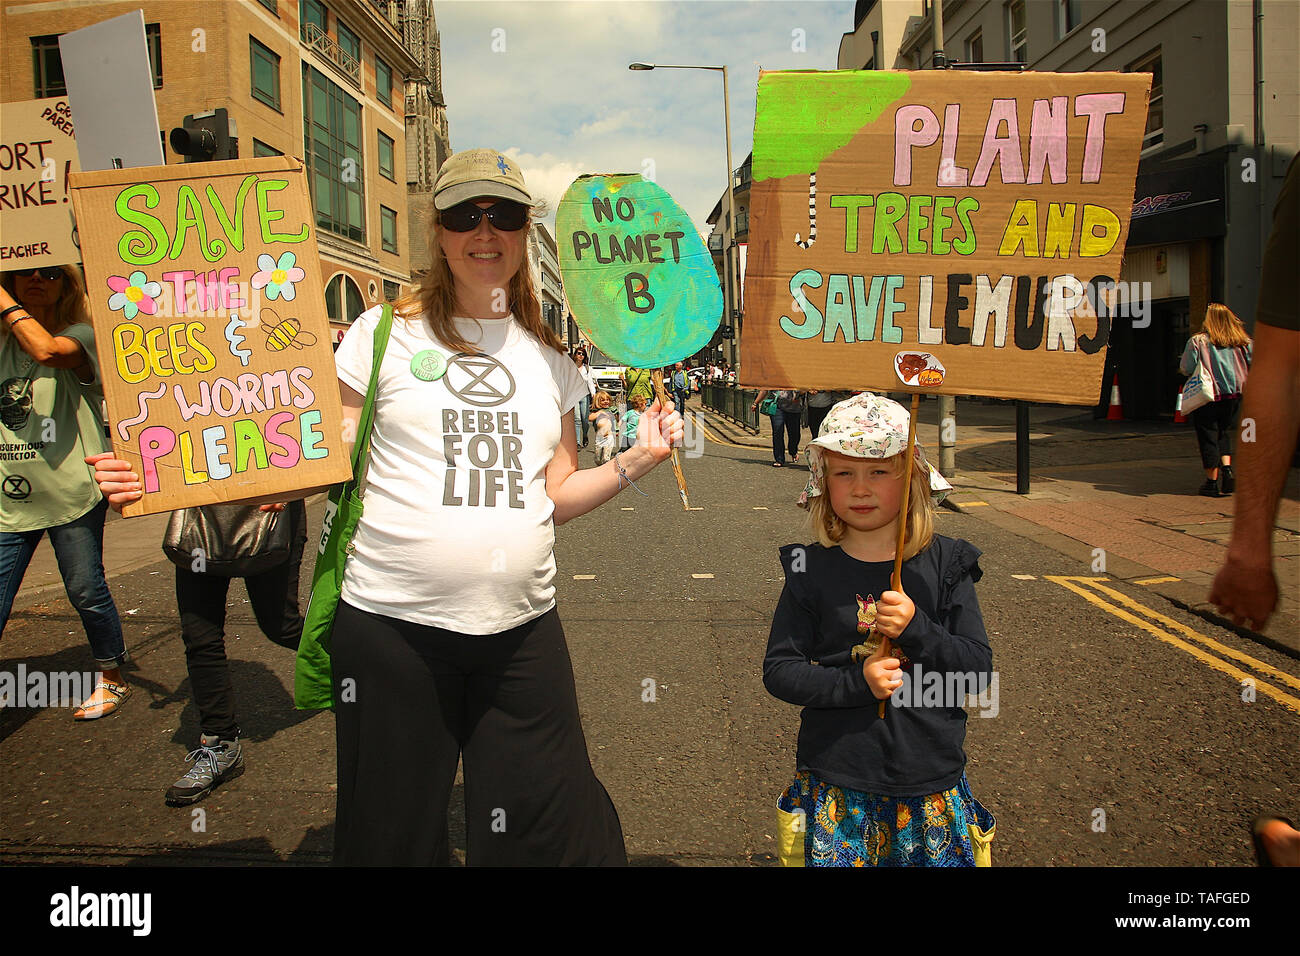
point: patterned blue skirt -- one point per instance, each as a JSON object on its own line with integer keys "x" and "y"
{"x": 843, "y": 827}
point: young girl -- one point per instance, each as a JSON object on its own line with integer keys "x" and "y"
{"x": 602, "y": 416}
{"x": 631, "y": 419}
{"x": 873, "y": 791}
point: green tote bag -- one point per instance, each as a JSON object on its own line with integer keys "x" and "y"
{"x": 312, "y": 676}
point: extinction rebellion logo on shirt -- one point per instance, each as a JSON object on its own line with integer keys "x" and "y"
{"x": 491, "y": 442}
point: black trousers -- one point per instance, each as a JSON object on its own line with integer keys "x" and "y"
{"x": 410, "y": 700}
{"x": 815, "y": 418}
{"x": 1214, "y": 423}
{"x": 201, "y": 599}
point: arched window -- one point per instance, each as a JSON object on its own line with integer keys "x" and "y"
{"x": 343, "y": 299}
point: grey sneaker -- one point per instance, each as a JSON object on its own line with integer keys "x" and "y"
{"x": 215, "y": 761}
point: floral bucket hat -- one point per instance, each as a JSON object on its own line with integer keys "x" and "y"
{"x": 865, "y": 426}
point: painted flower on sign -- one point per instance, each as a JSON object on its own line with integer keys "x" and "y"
{"x": 133, "y": 294}
{"x": 277, "y": 277}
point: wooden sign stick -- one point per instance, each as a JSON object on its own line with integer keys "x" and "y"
{"x": 896, "y": 579}
{"x": 657, "y": 377}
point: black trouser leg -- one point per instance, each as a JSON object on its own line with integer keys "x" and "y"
{"x": 274, "y": 593}
{"x": 201, "y": 599}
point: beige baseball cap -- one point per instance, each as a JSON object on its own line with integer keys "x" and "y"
{"x": 479, "y": 172}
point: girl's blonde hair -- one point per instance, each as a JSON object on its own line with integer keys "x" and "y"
{"x": 435, "y": 299}
{"x": 830, "y": 528}
{"x": 601, "y": 393}
{"x": 1223, "y": 328}
{"x": 72, "y": 306}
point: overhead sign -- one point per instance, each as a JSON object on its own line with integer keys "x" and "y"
{"x": 637, "y": 276}
{"x": 940, "y": 230}
{"x": 38, "y": 149}
{"x": 214, "y": 345}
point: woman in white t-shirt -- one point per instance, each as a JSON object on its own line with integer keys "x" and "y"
{"x": 447, "y": 624}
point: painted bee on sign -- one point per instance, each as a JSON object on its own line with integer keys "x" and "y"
{"x": 283, "y": 333}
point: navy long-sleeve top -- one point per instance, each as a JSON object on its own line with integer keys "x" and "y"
{"x": 915, "y": 750}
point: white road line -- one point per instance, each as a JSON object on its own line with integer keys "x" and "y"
{"x": 700, "y": 577}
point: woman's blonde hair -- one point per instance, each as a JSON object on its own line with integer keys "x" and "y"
{"x": 830, "y": 528}
{"x": 435, "y": 299}
{"x": 72, "y": 306}
{"x": 1223, "y": 328}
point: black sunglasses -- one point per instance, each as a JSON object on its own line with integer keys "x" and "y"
{"x": 49, "y": 274}
{"x": 506, "y": 215}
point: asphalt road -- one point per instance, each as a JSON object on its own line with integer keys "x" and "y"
{"x": 1111, "y": 745}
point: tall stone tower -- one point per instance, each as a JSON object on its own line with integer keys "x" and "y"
{"x": 428, "y": 143}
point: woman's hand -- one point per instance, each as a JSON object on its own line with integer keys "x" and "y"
{"x": 116, "y": 481}
{"x": 658, "y": 432}
{"x": 882, "y": 674}
{"x": 894, "y": 611}
{"x": 277, "y": 506}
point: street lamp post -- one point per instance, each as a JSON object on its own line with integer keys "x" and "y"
{"x": 729, "y": 232}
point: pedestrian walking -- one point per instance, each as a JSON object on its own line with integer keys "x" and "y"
{"x": 1221, "y": 353}
{"x": 50, "y": 420}
{"x": 819, "y": 403}
{"x": 873, "y": 790}
{"x": 785, "y": 410}
{"x": 583, "y": 408}
{"x": 680, "y": 388}
{"x": 638, "y": 381}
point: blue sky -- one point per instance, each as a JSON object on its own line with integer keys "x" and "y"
{"x": 547, "y": 83}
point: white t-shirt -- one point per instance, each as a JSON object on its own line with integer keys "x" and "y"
{"x": 456, "y": 530}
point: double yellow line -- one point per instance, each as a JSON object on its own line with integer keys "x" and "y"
{"x": 1081, "y": 586}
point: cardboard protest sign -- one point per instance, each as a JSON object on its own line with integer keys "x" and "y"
{"x": 210, "y": 323}
{"x": 939, "y": 230}
{"x": 37, "y": 151}
{"x": 637, "y": 275}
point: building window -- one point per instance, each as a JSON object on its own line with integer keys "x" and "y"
{"x": 1067, "y": 16}
{"x": 388, "y": 229}
{"x": 350, "y": 44}
{"x": 265, "y": 67}
{"x": 261, "y": 149}
{"x": 391, "y": 290}
{"x": 153, "y": 39}
{"x": 311, "y": 13}
{"x": 47, "y": 67}
{"x": 270, "y": 5}
{"x": 742, "y": 220}
{"x": 1155, "y": 132}
{"x": 1016, "y": 45}
{"x": 332, "y": 138}
{"x": 975, "y": 47}
{"x": 383, "y": 83}
{"x": 343, "y": 299}
{"x": 386, "y": 158}
{"x": 47, "y": 64}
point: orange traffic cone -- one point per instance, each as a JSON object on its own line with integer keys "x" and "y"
{"x": 1179, "y": 417}
{"x": 1115, "y": 413}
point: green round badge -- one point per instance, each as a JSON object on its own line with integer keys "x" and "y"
{"x": 429, "y": 365}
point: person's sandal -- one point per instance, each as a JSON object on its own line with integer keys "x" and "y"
{"x": 777, "y": 464}
{"x": 99, "y": 704}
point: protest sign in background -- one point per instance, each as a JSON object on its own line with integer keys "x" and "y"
{"x": 211, "y": 329}
{"x": 938, "y": 229}
{"x": 637, "y": 275}
{"x": 37, "y": 151}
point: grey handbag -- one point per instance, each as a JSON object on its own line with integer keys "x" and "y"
{"x": 232, "y": 540}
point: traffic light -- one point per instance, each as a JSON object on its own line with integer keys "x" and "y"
{"x": 204, "y": 137}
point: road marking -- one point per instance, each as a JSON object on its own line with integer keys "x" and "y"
{"x": 693, "y": 508}
{"x": 973, "y": 504}
{"x": 701, "y": 577}
{"x": 1076, "y": 584}
{"x": 759, "y": 508}
{"x": 711, "y": 436}
{"x": 1156, "y": 580}
{"x": 584, "y": 577}
{"x": 627, "y": 509}
{"x": 1024, "y": 577}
